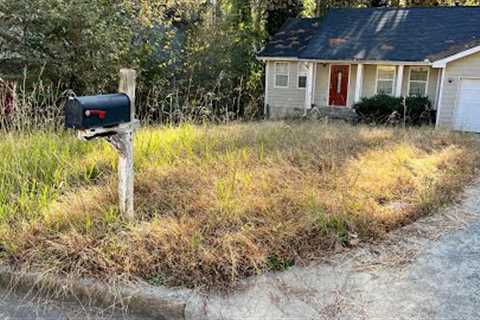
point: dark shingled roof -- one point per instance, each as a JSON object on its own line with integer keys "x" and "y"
{"x": 293, "y": 38}
{"x": 390, "y": 34}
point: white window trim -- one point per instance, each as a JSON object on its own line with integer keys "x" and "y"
{"x": 282, "y": 74}
{"x": 394, "y": 68}
{"x": 410, "y": 79}
{"x": 301, "y": 74}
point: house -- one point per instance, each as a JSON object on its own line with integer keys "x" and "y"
{"x": 330, "y": 63}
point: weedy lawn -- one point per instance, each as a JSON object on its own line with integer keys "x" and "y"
{"x": 219, "y": 203}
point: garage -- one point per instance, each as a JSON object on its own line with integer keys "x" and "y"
{"x": 468, "y": 116}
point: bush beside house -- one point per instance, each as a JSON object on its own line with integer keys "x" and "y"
{"x": 383, "y": 108}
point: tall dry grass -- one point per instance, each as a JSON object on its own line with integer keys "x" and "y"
{"x": 40, "y": 106}
{"x": 219, "y": 203}
{"x": 33, "y": 108}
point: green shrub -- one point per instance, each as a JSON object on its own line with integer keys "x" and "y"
{"x": 383, "y": 108}
{"x": 419, "y": 110}
{"x": 378, "y": 108}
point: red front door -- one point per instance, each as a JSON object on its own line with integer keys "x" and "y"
{"x": 338, "y": 85}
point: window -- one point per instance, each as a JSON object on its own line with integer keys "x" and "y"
{"x": 339, "y": 82}
{"x": 281, "y": 75}
{"x": 302, "y": 75}
{"x": 385, "y": 80}
{"x": 417, "y": 84}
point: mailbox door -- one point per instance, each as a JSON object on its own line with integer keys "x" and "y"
{"x": 73, "y": 114}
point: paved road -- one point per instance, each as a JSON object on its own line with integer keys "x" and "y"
{"x": 25, "y": 307}
{"x": 428, "y": 270}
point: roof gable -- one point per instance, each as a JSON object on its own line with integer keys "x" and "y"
{"x": 388, "y": 34}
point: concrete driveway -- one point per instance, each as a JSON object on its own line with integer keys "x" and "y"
{"x": 427, "y": 270}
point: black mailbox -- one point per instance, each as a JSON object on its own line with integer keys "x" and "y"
{"x": 101, "y": 111}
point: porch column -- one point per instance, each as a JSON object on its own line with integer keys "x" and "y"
{"x": 399, "y": 82}
{"x": 359, "y": 83}
{"x": 309, "y": 87}
{"x": 267, "y": 91}
{"x": 440, "y": 96}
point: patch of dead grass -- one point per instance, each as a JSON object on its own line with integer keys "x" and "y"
{"x": 216, "y": 204}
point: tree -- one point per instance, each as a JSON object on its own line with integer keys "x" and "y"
{"x": 77, "y": 43}
{"x": 83, "y": 43}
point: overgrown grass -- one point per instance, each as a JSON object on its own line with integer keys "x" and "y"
{"x": 219, "y": 203}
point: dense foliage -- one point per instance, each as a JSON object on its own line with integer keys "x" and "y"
{"x": 196, "y": 58}
{"x": 383, "y": 108}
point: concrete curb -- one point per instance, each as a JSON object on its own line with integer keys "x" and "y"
{"x": 156, "y": 302}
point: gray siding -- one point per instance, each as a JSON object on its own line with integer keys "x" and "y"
{"x": 433, "y": 85}
{"x": 455, "y": 71}
{"x": 369, "y": 78}
{"x": 352, "y": 84}
{"x": 321, "y": 84}
{"x": 284, "y": 101}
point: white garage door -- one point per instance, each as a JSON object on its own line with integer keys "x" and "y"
{"x": 468, "y": 116}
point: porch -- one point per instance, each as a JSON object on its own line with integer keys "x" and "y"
{"x": 295, "y": 87}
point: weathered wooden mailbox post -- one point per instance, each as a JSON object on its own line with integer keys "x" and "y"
{"x": 112, "y": 117}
